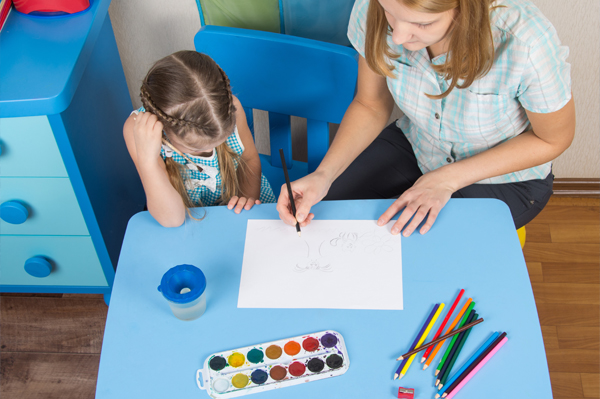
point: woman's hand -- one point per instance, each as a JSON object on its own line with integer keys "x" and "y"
{"x": 425, "y": 199}
{"x": 240, "y": 203}
{"x": 307, "y": 191}
{"x": 147, "y": 133}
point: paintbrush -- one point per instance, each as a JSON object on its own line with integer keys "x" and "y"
{"x": 289, "y": 187}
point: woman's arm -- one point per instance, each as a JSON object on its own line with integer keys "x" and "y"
{"x": 550, "y": 136}
{"x": 143, "y": 136}
{"x": 363, "y": 121}
{"x": 249, "y": 184}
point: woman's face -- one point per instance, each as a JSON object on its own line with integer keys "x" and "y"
{"x": 417, "y": 30}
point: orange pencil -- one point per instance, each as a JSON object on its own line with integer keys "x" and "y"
{"x": 439, "y": 331}
{"x": 439, "y": 345}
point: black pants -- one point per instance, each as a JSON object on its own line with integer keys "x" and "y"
{"x": 388, "y": 167}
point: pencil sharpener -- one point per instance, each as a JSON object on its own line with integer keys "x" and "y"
{"x": 406, "y": 393}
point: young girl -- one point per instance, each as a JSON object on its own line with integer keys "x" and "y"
{"x": 190, "y": 141}
{"x": 486, "y": 94}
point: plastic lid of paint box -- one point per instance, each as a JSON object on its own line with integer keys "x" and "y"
{"x": 183, "y": 284}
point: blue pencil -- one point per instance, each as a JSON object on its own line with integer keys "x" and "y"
{"x": 414, "y": 344}
{"x": 468, "y": 362}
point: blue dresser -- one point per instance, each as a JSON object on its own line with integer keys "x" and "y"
{"x": 67, "y": 184}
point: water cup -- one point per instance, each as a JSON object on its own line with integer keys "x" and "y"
{"x": 183, "y": 287}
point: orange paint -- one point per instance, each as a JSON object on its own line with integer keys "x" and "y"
{"x": 292, "y": 348}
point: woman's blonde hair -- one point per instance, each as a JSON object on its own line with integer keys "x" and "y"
{"x": 470, "y": 51}
{"x": 191, "y": 95}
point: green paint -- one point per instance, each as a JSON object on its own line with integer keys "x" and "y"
{"x": 255, "y": 356}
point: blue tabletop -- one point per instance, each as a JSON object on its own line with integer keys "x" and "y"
{"x": 149, "y": 353}
{"x": 43, "y": 58}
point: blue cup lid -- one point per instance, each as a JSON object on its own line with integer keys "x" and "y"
{"x": 180, "y": 279}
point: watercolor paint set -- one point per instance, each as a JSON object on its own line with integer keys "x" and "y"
{"x": 272, "y": 365}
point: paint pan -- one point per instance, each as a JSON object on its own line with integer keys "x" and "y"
{"x": 275, "y": 364}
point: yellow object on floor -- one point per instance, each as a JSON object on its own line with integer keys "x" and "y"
{"x": 522, "y": 235}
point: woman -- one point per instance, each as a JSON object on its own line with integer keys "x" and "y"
{"x": 486, "y": 96}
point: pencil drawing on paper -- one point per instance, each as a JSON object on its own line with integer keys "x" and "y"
{"x": 320, "y": 259}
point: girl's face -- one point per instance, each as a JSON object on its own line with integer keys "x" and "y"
{"x": 194, "y": 149}
{"x": 416, "y": 30}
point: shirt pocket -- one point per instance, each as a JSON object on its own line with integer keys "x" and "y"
{"x": 480, "y": 116}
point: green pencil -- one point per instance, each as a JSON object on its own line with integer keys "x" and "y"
{"x": 462, "y": 322}
{"x": 453, "y": 359}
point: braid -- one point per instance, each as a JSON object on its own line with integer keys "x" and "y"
{"x": 151, "y": 107}
{"x": 228, "y": 88}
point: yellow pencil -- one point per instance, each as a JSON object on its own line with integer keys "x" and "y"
{"x": 422, "y": 339}
{"x": 454, "y": 322}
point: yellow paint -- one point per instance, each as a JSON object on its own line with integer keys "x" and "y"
{"x": 236, "y": 359}
{"x": 239, "y": 380}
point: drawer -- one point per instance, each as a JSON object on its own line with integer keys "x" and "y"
{"x": 74, "y": 261}
{"x": 51, "y": 202}
{"x": 28, "y": 148}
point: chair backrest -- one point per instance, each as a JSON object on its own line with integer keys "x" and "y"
{"x": 286, "y": 75}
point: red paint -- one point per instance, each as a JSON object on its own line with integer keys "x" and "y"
{"x": 297, "y": 369}
{"x": 310, "y": 344}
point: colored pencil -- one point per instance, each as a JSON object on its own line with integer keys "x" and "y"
{"x": 451, "y": 344}
{"x": 440, "y": 339}
{"x": 474, "y": 364}
{"x": 460, "y": 341}
{"x": 476, "y": 369}
{"x": 425, "y": 334}
{"x": 468, "y": 362}
{"x": 454, "y": 322}
{"x": 289, "y": 188}
{"x": 414, "y": 344}
{"x": 439, "y": 331}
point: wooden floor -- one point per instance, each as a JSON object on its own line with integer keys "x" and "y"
{"x": 50, "y": 344}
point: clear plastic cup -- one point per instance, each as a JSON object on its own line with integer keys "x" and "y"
{"x": 184, "y": 287}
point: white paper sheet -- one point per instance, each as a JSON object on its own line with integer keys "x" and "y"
{"x": 336, "y": 264}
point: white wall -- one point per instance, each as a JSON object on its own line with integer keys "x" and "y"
{"x": 147, "y": 30}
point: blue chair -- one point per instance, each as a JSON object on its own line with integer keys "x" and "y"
{"x": 285, "y": 75}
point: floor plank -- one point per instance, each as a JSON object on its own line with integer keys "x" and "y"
{"x": 48, "y": 375}
{"x": 566, "y": 384}
{"x": 538, "y": 232}
{"x": 561, "y": 252}
{"x": 550, "y": 337}
{"x": 535, "y": 271}
{"x": 570, "y": 337}
{"x": 573, "y": 360}
{"x": 575, "y": 233}
{"x": 566, "y": 293}
{"x": 568, "y": 214}
{"x": 559, "y": 314}
{"x": 584, "y": 273}
{"x": 591, "y": 385}
{"x": 65, "y": 325}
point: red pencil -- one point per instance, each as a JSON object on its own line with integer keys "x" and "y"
{"x": 439, "y": 331}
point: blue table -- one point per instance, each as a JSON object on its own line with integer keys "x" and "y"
{"x": 148, "y": 353}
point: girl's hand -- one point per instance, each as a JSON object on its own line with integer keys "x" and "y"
{"x": 425, "y": 198}
{"x": 242, "y": 203}
{"x": 307, "y": 191}
{"x": 147, "y": 133}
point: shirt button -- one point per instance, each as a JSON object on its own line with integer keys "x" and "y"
{"x": 449, "y": 160}
{"x": 437, "y": 116}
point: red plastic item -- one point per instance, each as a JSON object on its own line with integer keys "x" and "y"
{"x": 406, "y": 393}
{"x": 4, "y": 9}
{"x": 51, "y": 6}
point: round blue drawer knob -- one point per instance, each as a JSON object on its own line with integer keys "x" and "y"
{"x": 13, "y": 212}
{"x": 38, "y": 266}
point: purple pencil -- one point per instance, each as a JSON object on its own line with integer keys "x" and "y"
{"x": 414, "y": 344}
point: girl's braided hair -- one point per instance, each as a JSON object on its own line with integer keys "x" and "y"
{"x": 191, "y": 95}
